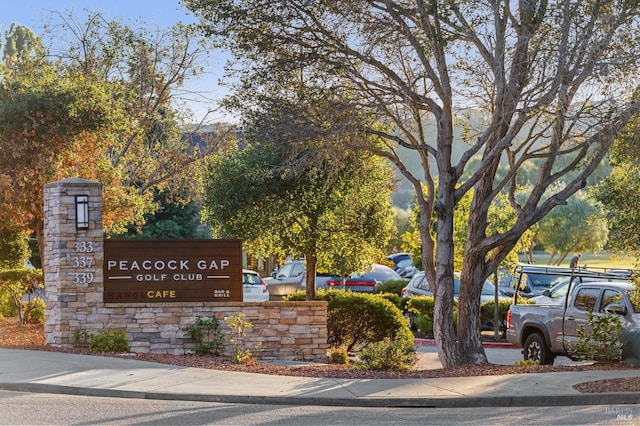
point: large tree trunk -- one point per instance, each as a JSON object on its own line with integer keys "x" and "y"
{"x": 443, "y": 329}
{"x": 311, "y": 276}
{"x": 469, "y": 341}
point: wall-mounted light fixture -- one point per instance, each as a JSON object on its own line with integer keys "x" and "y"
{"x": 82, "y": 212}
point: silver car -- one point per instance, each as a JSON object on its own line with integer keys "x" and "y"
{"x": 418, "y": 286}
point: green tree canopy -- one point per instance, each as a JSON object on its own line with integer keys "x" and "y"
{"x": 339, "y": 216}
{"x": 619, "y": 193}
{"x": 577, "y": 227}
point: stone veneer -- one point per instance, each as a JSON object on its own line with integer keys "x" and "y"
{"x": 73, "y": 262}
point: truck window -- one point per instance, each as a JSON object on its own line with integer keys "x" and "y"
{"x": 610, "y": 296}
{"x": 586, "y": 299}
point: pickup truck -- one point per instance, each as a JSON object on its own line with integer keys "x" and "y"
{"x": 547, "y": 331}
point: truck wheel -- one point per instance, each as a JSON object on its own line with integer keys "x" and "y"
{"x": 536, "y": 349}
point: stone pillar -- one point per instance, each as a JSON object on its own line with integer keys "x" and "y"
{"x": 72, "y": 259}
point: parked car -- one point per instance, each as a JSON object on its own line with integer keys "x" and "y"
{"x": 545, "y": 332}
{"x": 288, "y": 279}
{"x": 533, "y": 280}
{"x": 254, "y": 289}
{"x": 418, "y": 286}
{"x": 403, "y": 264}
{"x": 554, "y": 295}
{"x": 367, "y": 281}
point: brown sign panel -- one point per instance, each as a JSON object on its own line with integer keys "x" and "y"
{"x": 154, "y": 271}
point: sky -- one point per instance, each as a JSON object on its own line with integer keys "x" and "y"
{"x": 160, "y": 14}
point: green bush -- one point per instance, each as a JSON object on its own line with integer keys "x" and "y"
{"x": 422, "y": 324}
{"x": 355, "y": 320}
{"x": 14, "y": 284}
{"x": 603, "y": 343}
{"x": 398, "y": 301}
{"x": 487, "y": 314}
{"x": 34, "y": 311}
{"x": 392, "y": 286}
{"x": 81, "y": 338}
{"x": 207, "y": 335}
{"x": 339, "y": 356}
{"x": 421, "y": 305}
{"x": 419, "y": 312}
{"x": 388, "y": 354}
{"x": 109, "y": 340}
{"x": 8, "y": 308}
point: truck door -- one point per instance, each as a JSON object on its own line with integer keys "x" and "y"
{"x": 577, "y": 315}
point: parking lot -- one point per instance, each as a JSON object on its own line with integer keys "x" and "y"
{"x": 428, "y": 357}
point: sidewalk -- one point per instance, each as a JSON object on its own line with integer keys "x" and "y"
{"x": 55, "y": 372}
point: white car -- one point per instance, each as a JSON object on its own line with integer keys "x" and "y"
{"x": 553, "y": 296}
{"x": 254, "y": 289}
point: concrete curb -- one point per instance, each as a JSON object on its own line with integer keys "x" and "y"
{"x": 621, "y": 398}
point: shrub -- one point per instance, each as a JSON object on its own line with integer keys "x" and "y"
{"x": 339, "y": 356}
{"x": 207, "y": 335}
{"x": 355, "y": 320}
{"x": 422, "y": 324}
{"x": 81, "y": 338}
{"x": 109, "y": 341}
{"x": 387, "y": 354}
{"x": 526, "y": 363}
{"x": 486, "y": 313}
{"x": 421, "y": 305}
{"x": 321, "y": 294}
{"x": 8, "y": 308}
{"x": 392, "y": 286}
{"x": 14, "y": 284}
{"x": 238, "y": 326}
{"x": 34, "y": 311}
{"x": 603, "y": 343}
{"x": 398, "y": 301}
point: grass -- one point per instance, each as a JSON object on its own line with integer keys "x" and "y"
{"x": 594, "y": 260}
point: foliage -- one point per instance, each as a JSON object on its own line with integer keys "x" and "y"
{"x": 392, "y": 286}
{"x": 81, "y": 338}
{"x": 527, "y": 362}
{"x": 562, "y": 231}
{"x": 602, "y": 343}
{"x": 440, "y": 60}
{"x": 173, "y": 219}
{"x": 421, "y": 305}
{"x": 239, "y": 327}
{"x": 103, "y": 112}
{"x": 337, "y": 214}
{"x": 619, "y": 194}
{"x": 398, "y": 301}
{"x": 14, "y": 248}
{"x": 339, "y": 356}
{"x": 18, "y": 282}
{"x": 321, "y": 294}
{"x": 487, "y": 310}
{"x": 207, "y": 335}
{"x": 422, "y": 324}
{"x": 355, "y": 320}
{"x": 387, "y": 354}
{"x": 109, "y": 340}
{"x": 34, "y": 311}
{"x": 8, "y": 308}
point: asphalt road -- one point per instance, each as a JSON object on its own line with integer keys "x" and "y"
{"x": 49, "y": 409}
